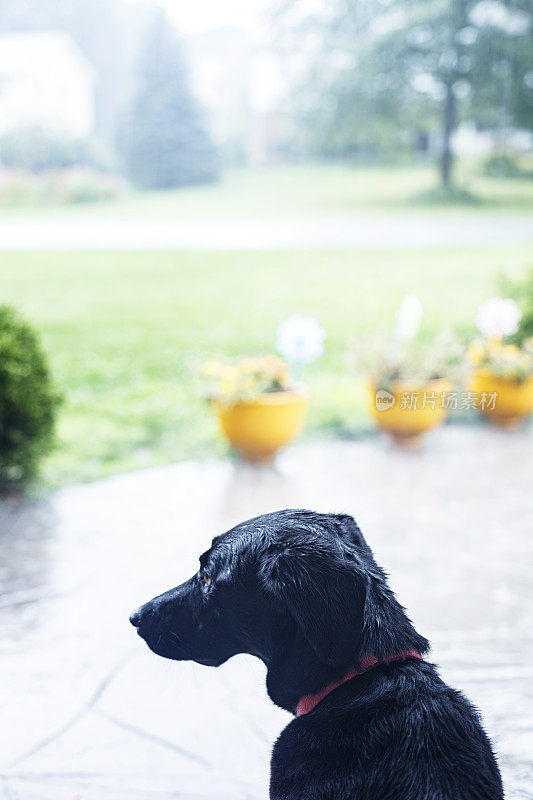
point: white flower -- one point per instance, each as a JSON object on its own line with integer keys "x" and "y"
{"x": 300, "y": 339}
{"x": 498, "y": 317}
{"x": 408, "y": 319}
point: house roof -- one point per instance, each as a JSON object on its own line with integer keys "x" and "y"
{"x": 53, "y": 51}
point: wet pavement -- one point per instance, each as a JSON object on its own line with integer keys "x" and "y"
{"x": 88, "y": 713}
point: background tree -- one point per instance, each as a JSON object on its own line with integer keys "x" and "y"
{"x": 164, "y": 141}
{"x": 386, "y": 73}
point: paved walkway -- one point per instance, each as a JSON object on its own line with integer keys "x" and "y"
{"x": 88, "y": 713}
{"x": 382, "y": 231}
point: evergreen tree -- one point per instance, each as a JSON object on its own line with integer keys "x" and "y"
{"x": 164, "y": 141}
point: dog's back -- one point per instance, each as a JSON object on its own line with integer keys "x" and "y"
{"x": 396, "y": 732}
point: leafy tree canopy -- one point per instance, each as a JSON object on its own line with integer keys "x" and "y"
{"x": 382, "y": 70}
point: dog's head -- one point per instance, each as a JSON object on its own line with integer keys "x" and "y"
{"x": 295, "y": 588}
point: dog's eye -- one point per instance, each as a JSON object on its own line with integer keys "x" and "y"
{"x": 207, "y": 580}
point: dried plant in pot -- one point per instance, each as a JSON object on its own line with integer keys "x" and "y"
{"x": 408, "y": 382}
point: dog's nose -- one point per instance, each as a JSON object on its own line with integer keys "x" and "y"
{"x": 135, "y": 617}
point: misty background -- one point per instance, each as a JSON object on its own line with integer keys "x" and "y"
{"x": 163, "y": 95}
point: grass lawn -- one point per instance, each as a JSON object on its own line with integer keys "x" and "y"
{"x": 306, "y": 191}
{"x": 126, "y": 332}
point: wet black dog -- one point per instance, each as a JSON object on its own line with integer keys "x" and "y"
{"x": 374, "y": 721}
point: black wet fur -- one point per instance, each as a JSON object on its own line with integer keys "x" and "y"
{"x": 302, "y": 592}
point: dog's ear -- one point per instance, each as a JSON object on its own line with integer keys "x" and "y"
{"x": 324, "y": 588}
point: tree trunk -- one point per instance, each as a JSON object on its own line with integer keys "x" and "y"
{"x": 449, "y": 123}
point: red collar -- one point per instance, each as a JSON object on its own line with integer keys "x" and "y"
{"x": 309, "y": 701}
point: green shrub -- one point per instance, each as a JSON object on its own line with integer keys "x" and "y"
{"x": 35, "y": 150}
{"x": 83, "y": 186}
{"x": 445, "y": 195}
{"x": 61, "y": 187}
{"x": 502, "y": 165}
{"x": 28, "y": 401}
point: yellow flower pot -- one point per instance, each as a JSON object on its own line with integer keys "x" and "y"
{"x": 259, "y": 428}
{"x": 513, "y": 401}
{"x": 408, "y": 410}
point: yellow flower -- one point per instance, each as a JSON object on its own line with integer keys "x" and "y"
{"x": 248, "y": 364}
{"x": 494, "y": 347}
{"x": 476, "y": 352}
{"x": 283, "y": 374}
{"x": 229, "y": 373}
{"x": 211, "y": 369}
{"x": 510, "y": 352}
{"x": 227, "y": 386}
{"x": 247, "y": 378}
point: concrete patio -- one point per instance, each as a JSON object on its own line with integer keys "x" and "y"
{"x": 88, "y": 713}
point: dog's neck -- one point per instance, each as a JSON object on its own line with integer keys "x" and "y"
{"x": 294, "y": 671}
{"x": 308, "y": 702}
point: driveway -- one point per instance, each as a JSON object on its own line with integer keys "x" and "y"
{"x": 88, "y": 713}
{"x": 383, "y": 232}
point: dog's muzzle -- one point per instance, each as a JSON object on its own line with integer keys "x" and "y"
{"x": 135, "y": 617}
